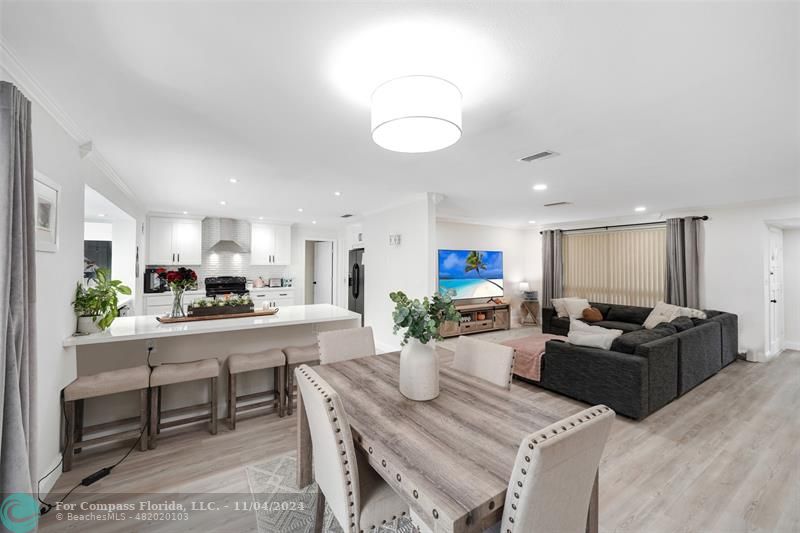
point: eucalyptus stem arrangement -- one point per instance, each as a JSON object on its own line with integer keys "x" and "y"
{"x": 422, "y": 319}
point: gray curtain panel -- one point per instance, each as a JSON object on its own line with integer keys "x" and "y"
{"x": 683, "y": 262}
{"x": 552, "y": 267}
{"x": 17, "y": 294}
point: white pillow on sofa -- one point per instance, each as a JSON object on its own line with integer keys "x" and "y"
{"x": 662, "y": 312}
{"x": 582, "y": 334}
{"x": 575, "y": 307}
{"x": 560, "y": 306}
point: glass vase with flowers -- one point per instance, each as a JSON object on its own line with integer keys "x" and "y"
{"x": 179, "y": 282}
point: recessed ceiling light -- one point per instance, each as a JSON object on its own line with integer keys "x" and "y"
{"x": 260, "y": 218}
{"x": 222, "y": 202}
{"x": 233, "y": 180}
{"x": 313, "y": 221}
{"x": 186, "y": 212}
{"x": 299, "y": 209}
{"x": 640, "y": 209}
{"x": 531, "y": 222}
{"x": 337, "y": 193}
{"x": 101, "y": 215}
{"x": 540, "y": 187}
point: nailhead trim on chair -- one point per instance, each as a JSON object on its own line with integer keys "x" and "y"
{"x": 513, "y": 360}
{"x": 334, "y": 418}
{"x": 541, "y": 438}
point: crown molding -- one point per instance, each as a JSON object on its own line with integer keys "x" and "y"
{"x": 28, "y": 84}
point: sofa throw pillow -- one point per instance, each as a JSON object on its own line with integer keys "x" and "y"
{"x": 662, "y": 312}
{"x": 560, "y": 306}
{"x": 592, "y": 314}
{"x": 575, "y": 307}
{"x": 692, "y": 313}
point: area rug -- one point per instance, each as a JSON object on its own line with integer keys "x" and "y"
{"x": 283, "y": 508}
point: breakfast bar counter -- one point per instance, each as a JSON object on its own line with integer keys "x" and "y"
{"x": 148, "y": 327}
{"x": 143, "y": 340}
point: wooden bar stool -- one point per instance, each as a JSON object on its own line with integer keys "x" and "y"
{"x": 239, "y": 363}
{"x": 171, "y": 373}
{"x": 296, "y": 356}
{"x": 96, "y": 385}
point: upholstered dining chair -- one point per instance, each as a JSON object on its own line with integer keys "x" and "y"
{"x": 345, "y": 344}
{"x": 359, "y": 499}
{"x": 485, "y": 360}
{"x": 551, "y": 485}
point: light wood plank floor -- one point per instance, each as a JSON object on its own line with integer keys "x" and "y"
{"x": 723, "y": 458}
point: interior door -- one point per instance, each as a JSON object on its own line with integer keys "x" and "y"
{"x": 323, "y": 272}
{"x": 775, "y": 291}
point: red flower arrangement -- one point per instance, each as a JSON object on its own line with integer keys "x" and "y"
{"x": 179, "y": 280}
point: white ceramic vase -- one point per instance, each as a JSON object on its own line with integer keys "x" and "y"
{"x": 419, "y": 371}
{"x": 87, "y": 324}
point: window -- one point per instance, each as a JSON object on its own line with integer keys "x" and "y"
{"x": 624, "y": 266}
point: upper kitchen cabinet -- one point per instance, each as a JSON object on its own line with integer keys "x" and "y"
{"x": 175, "y": 241}
{"x": 270, "y": 244}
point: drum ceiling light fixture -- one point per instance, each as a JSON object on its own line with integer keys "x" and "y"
{"x": 415, "y": 114}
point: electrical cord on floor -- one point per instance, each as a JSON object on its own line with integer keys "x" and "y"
{"x": 103, "y": 472}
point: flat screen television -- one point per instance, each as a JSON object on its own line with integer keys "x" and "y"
{"x": 471, "y": 273}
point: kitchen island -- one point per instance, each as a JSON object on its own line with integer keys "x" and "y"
{"x": 137, "y": 340}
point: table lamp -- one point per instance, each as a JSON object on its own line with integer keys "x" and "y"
{"x": 524, "y": 286}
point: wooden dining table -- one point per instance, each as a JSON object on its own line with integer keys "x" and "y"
{"x": 449, "y": 458}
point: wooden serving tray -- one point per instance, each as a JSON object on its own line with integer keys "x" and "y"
{"x": 170, "y": 320}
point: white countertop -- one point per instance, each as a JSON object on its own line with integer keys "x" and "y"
{"x": 147, "y": 327}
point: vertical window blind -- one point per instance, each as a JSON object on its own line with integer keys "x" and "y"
{"x": 625, "y": 266}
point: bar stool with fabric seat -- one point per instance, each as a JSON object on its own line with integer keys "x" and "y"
{"x": 296, "y": 356}
{"x": 240, "y": 363}
{"x": 172, "y": 373}
{"x": 94, "y": 386}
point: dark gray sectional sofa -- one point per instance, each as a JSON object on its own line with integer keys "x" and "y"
{"x": 645, "y": 369}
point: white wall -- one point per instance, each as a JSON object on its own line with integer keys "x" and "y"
{"x": 97, "y": 231}
{"x": 521, "y": 252}
{"x": 123, "y": 251}
{"x": 791, "y": 287}
{"x": 409, "y": 267}
{"x": 56, "y": 155}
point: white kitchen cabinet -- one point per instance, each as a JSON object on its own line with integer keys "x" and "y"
{"x": 175, "y": 241}
{"x": 275, "y": 297}
{"x": 270, "y": 244}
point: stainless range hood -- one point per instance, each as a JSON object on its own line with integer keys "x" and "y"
{"x": 227, "y": 235}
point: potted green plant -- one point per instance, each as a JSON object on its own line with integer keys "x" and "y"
{"x": 97, "y": 305}
{"x": 419, "y": 362}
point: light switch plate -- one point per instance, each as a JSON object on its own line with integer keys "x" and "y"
{"x": 394, "y": 239}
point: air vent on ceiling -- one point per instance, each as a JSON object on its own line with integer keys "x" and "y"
{"x": 539, "y": 156}
{"x": 346, "y": 215}
{"x": 555, "y": 204}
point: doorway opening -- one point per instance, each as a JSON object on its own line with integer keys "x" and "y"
{"x": 109, "y": 243}
{"x": 319, "y": 272}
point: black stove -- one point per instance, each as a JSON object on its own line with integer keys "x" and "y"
{"x": 222, "y": 285}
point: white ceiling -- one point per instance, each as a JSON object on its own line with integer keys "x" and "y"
{"x": 666, "y": 105}
{"x": 98, "y": 208}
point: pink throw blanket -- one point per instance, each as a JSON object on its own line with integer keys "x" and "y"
{"x": 529, "y": 352}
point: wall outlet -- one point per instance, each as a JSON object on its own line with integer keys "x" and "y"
{"x": 151, "y": 346}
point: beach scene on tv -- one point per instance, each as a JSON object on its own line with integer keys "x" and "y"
{"x": 471, "y": 273}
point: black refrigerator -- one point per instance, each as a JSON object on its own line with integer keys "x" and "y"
{"x": 355, "y": 295}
